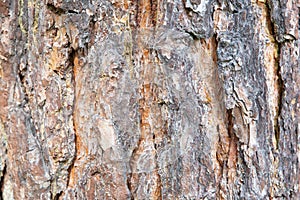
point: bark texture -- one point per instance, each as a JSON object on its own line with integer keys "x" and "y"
{"x": 149, "y": 99}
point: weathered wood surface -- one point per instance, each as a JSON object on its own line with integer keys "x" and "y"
{"x": 149, "y": 99}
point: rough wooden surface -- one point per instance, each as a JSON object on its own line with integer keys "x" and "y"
{"x": 149, "y": 99}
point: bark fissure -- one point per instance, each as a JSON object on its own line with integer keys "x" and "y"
{"x": 3, "y": 158}
{"x": 233, "y": 145}
{"x": 2, "y": 178}
{"x": 230, "y": 123}
{"x": 55, "y": 196}
{"x": 60, "y": 11}
{"x": 129, "y": 185}
{"x": 279, "y": 86}
{"x": 55, "y": 10}
{"x": 71, "y": 169}
{"x": 280, "y": 97}
{"x": 132, "y": 171}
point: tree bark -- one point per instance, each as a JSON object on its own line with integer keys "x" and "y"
{"x": 149, "y": 99}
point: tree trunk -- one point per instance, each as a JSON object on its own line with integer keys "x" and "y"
{"x": 149, "y": 99}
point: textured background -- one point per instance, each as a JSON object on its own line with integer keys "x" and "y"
{"x": 149, "y": 99}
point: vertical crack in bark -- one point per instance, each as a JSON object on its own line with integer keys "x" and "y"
{"x": 55, "y": 196}
{"x": 129, "y": 186}
{"x": 232, "y": 153}
{"x": 76, "y": 61}
{"x": 275, "y": 87}
{"x": 71, "y": 168}
{"x": 230, "y": 123}
{"x": 2, "y": 181}
{"x": 280, "y": 96}
{"x": 279, "y": 87}
{"x": 3, "y": 152}
{"x": 130, "y": 175}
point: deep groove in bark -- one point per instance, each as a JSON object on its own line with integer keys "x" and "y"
{"x": 132, "y": 165}
{"x": 72, "y": 56}
{"x": 280, "y": 96}
{"x": 128, "y": 184}
{"x": 56, "y": 197}
{"x": 55, "y": 10}
{"x": 2, "y": 182}
{"x": 279, "y": 81}
{"x": 60, "y": 11}
{"x": 230, "y": 123}
{"x": 71, "y": 167}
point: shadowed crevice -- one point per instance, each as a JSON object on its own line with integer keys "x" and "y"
{"x": 279, "y": 81}
{"x": 280, "y": 97}
{"x": 2, "y": 182}
{"x": 72, "y": 55}
{"x": 60, "y": 11}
